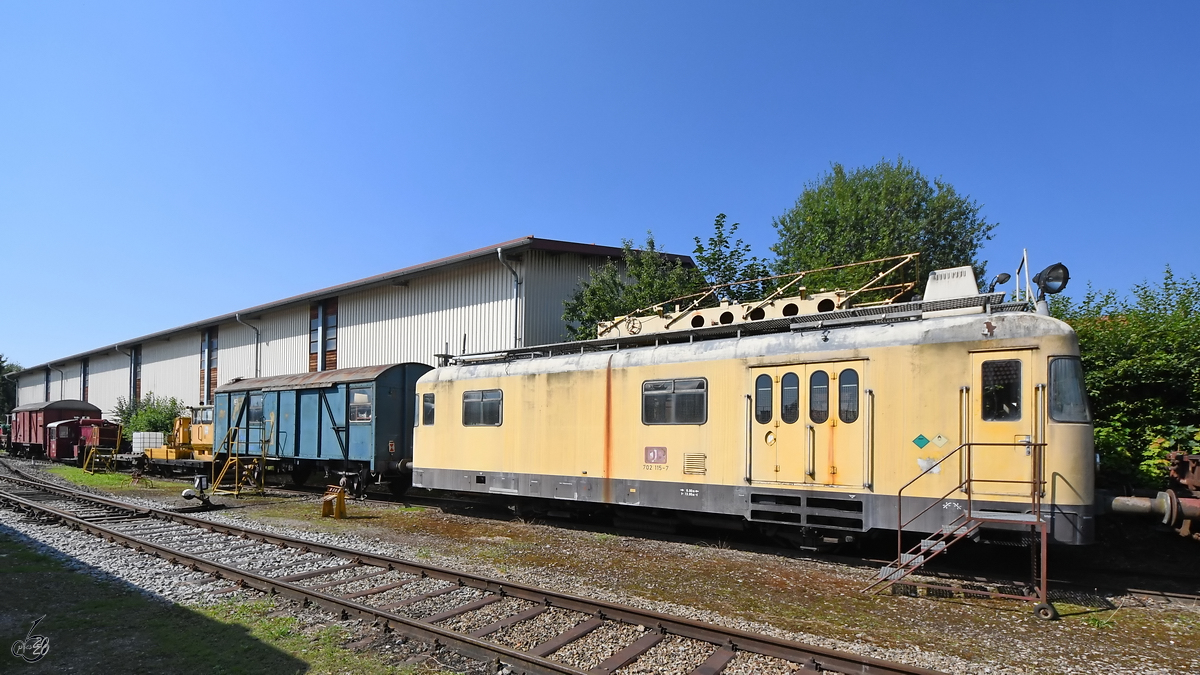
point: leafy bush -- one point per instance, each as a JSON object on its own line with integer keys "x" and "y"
{"x": 151, "y": 413}
{"x": 1141, "y": 359}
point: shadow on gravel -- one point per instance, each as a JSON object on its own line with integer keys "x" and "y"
{"x": 96, "y": 623}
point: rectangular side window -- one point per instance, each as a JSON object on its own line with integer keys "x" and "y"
{"x": 255, "y": 412}
{"x": 1068, "y": 395}
{"x": 360, "y": 404}
{"x": 427, "y": 409}
{"x": 484, "y": 408}
{"x": 1001, "y": 395}
{"x": 675, "y": 401}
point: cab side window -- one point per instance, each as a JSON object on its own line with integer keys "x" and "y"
{"x": 427, "y": 409}
{"x": 483, "y": 408}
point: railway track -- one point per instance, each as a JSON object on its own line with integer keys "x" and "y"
{"x": 1074, "y": 585}
{"x": 424, "y": 602}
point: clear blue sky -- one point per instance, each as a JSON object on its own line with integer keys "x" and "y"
{"x": 163, "y": 162}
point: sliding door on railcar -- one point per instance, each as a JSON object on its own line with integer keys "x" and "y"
{"x": 807, "y": 424}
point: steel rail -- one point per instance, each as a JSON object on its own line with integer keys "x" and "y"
{"x": 439, "y": 637}
{"x": 818, "y": 659}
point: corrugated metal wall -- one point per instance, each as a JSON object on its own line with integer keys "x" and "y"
{"x": 109, "y": 378}
{"x": 284, "y": 342}
{"x": 412, "y": 323}
{"x": 171, "y": 368}
{"x": 283, "y": 346}
{"x": 58, "y": 383}
{"x": 235, "y": 352}
{"x": 72, "y": 380}
{"x": 31, "y": 388}
{"x": 551, "y": 279}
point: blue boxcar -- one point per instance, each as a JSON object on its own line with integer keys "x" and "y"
{"x": 356, "y": 422}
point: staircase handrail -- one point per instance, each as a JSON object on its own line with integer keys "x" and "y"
{"x": 900, "y": 523}
{"x": 1036, "y": 482}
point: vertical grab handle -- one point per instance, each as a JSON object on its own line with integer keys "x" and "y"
{"x": 964, "y": 432}
{"x": 869, "y": 440}
{"x": 749, "y": 442}
{"x": 811, "y": 469}
{"x": 1037, "y": 453}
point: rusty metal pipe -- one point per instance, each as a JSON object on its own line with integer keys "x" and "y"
{"x": 1140, "y": 506}
{"x": 1166, "y": 505}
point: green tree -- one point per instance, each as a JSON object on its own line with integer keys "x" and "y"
{"x": 724, "y": 262}
{"x": 151, "y": 413}
{"x": 875, "y": 212}
{"x": 1141, "y": 360}
{"x": 8, "y": 386}
{"x": 649, "y": 278}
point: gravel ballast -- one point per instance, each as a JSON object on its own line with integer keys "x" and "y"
{"x": 166, "y": 581}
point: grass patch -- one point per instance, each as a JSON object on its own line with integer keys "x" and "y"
{"x": 112, "y": 482}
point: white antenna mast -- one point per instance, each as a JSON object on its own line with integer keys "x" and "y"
{"x": 1025, "y": 264}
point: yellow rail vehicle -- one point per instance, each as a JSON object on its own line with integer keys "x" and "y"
{"x": 815, "y": 427}
{"x": 190, "y": 442}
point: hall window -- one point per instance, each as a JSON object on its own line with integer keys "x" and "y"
{"x": 137, "y": 373}
{"x": 208, "y": 365}
{"x": 322, "y": 335}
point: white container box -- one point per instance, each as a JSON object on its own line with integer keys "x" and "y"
{"x": 143, "y": 440}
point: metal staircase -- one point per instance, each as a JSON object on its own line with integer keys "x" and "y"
{"x": 967, "y": 525}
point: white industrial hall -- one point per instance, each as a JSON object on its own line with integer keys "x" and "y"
{"x": 497, "y": 297}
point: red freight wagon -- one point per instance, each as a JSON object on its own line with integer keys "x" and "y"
{"x": 28, "y": 433}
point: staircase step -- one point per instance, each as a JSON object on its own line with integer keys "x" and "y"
{"x": 932, "y": 545}
{"x": 1004, "y": 517}
{"x": 911, "y": 559}
{"x": 890, "y": 573}
{"x": 955, "y": 530}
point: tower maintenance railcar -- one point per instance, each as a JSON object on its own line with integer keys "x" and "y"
{"x": 806, "y": 425}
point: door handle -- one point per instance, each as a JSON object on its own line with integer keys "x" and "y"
{"x": 811, "y": 469}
